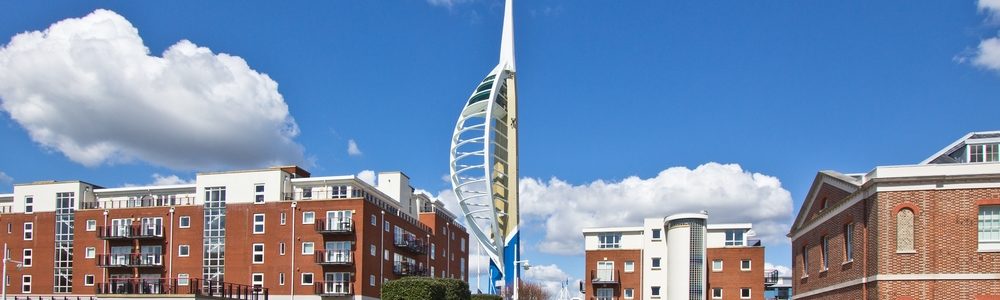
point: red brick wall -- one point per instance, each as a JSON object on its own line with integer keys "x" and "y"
{"x": 631, "y": 280}
{"x": 732, "y": 278}
{"x": 839, "y": 268}
{"x": 42, "y": 246}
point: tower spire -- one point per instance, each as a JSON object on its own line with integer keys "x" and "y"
{"x": 507, "y": 38}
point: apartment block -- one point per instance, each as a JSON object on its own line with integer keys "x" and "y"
{"x": 275, "y": 232}
{"x": 676, "y": 257}
{"x": 930, "y": 230}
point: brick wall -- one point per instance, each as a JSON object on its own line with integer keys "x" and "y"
{"x": 732, "y": 278}
{"x": 626, "y": 280}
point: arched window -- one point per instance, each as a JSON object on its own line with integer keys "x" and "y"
{"x": 904, "y": 231}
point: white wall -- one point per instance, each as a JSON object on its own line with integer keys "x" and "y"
{"x": 631, "y": 239}
{"x": 44, "y": 194}
{"x": 240, "y": 185}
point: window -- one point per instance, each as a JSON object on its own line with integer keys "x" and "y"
{"x": 185, "y": 222}
{"x": 745, "y": 265}
{"x": 283, "y": 218}
{"x": 385, "y": 226}
{"x": 374, "y": 220}
{"x": 371, "y": 280}
{"x": 904, "y": 231}
{"x": 27, "y": 257}
{"x": 734, "y": 237}
{"x": 257, "y": 279}
{"x": 281, "y": 248}
{"x": 629, "y": 293}
{"x": 258, "y": 253}
{"x": 308, "y": 248}
{"x": 88, "y": 280}
{"x": 307, "y": 278}
{"x": 29, "y": 204}
{"x": 258, "y": 193}
{"x": 385, "y": 254}
{"x": 281, "y": 278}
{"x": 29, "y": 231}
{"x": 717, "y": 265}
{"x": 655, "y": 291}
{"x": 656, "y": 263}
{"x": 984, "y": 153}
{"x": 307, "y": 193}
{"x": 463, "y": 245}
{"x": 629, "y": 266}
{"x": 372, "y": 249}
{"x": 89, "y": 252}
{"x": 308, "y": 217}
{"x": 805, "y": 261}
{"x": 824, "y": 252}
{"x": 716, "y": 293}
{"x": 184, "y": 250}
{"x": 26, "y": 284}
{"x": 433, "y": 251}
{"x": 605, "y": 271}
{"x": 258, "y": 223}
{"x": 91, "y": 225}
{"x": 745, "y": 293}
{"x": 656, "y": 233}
{"x": 604, "y": 293}
{"x": 989, "y": 227}
{"x": 849, "y": 242}
{"x": 609, "y": 241}
{"x": 182, "y": 279}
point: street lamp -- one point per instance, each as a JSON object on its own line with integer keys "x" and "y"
{"x": 517, "y": 278}
{"x": 5, "y": 261}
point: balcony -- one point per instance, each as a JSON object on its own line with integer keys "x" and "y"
{"x": 334, "y": 289}
{"x": 412, "y": 244}
{"x": 130, "y": 232}
{"x": 408, "y": 269}
{"x": 334, "y": 226}
{"x": 137, "y": 260}
{"x": 334, "y": 257}
{"x": 604, "y": 276}
{"x": 201, "y": 289}
{"x": 770, "y": 277}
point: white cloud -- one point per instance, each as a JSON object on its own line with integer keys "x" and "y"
{"x": 782, "y": 270}
{"x": 5, "y": 179}
{"x": 352, "y": 148}
{"x": 89, "y": 88}
{"x": 169, "y": 180}
{"x": 988, "y": 54}
{"x": 550, "y": 277}
{"x": 446, "y": 3}
{"x": 368, "y": 176}
{"x": 991, "y": 6}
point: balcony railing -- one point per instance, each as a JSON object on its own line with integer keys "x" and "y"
{"x": 411, "y": 244}
{"x": 334, "y": 226}
{"x": 332, "y": 289}
{"x": 6, "y": 209}
{"x": 130, "y": 232}
{"x": 408, "y": 269}
{"x": 770, "y": 277}
{"x": 137, "y": 202}
{"x": 130, "y": 260}
{"x": 334, "y": 257}
{"x": 606, "y": 276}
{"x": 175, "y": 286}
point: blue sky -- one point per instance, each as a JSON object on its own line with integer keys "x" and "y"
{"x": 608, "y": 91}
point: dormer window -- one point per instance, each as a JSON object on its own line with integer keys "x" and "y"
{"x": 984, "y": 153}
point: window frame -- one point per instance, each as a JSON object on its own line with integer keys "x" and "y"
{"x": 749, "y": 264}
{"x": 29, "y": 231}
{"x": 183, "y": 279}
{"x": 629, "y": 266}
{"x": 722, "y": 265}
{"x": 992, "y": 222}
{"x": 656, "y": 234}
{"x": 258, "y": 193}
{"x": 180, "y": 253}
{"x": 89, "y": 252}
{"x": 253, "y": 279}
{"x": 716, "y": 296}
{"x": 261, "y": 223}
{"x": 310, "y": 220}
{"x": 26, "y": 282}
{"x": 312, "y": 278}
{"x": 27, "y": 257}
{"x": 654, "y": 291}
{"x": 825, "y": 253}
{"x": 312, "y": 245}
{"x": 29, "y": 204}
{"x": 282, "y": 218}
{"x": 609, "y": 240}
{"x": 181, "y": 221}
{"x": 848, "y": 242}
{"x": 655, "y": 263}
{"x": 91, "y": 225}
{"x": 735, "y": 238}
{"x": 749, "y": 293}
{"x": 257, "y": 253}
{"x": 628, "y": 293}
{"x": 89, "y": 277}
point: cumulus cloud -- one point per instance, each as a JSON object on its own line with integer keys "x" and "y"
{"x": 352, "y": 148}
{"x": 987, "y": 55}
{"x": 990, "y": 6}
{"x": 550, "y": 277}
{"x": 446, "y": 3}
{"x": 5, "y": 180}
{"x": 782, "y": 270}
{"x": 169, "y": 180}
{"x": 89, "y": 88}
{"x": 367, "y": 176}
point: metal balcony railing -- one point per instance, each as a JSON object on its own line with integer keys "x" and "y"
{"x": 130, "y": 232}
{"x": 334, "y": 226}
{"x": 334, "y": 257}
{"x": 138, "y": 202}
{"x": 770, "y": 277}
{"x": 331, "y": 289}
{"x": 181, "y": 286}
{"x": 605, "y": 276}
{"x": 408, "y": 269}
{"x": 412, "y": 244}
{"x": 130, "y": 260}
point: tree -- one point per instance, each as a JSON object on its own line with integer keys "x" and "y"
{"x": 529, "y": 291}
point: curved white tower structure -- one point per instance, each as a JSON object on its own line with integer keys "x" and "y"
{"x": 484, "y": 162}
{"x": 686, "y": 256}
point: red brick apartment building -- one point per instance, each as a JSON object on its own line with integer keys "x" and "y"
{"x": 229, "y": 233}
{"x": 677, "y": 257}
{"x": 924, "y": 231}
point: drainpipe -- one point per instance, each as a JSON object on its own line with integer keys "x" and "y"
{"x": 381, "y": 245}
{"x": 104, "y": 271}
{"x": 292, "y": 255}
{"x": 864, "y": 280}
{"x": 170, "y": 245}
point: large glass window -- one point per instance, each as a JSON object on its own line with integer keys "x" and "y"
{"x": 214, "y": 235}
{"x": 605, "y": 271}
{"x": 734, "y": 237}
{"x": 984, "y": 153}
{"x": 609, "y": 241}
{"x": 989, "y": 227}
{"x": 605, "y": 294}
{"x": 65, "y": 207}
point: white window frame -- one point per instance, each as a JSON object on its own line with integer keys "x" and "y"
{"x": 733, "y": 241}
{"x": 281, "y": 278}
{"x": 385, "y": 226}
{"x": 29, "y": 204}
{"x": 29, "y": 231}
{"x": 606, "y": 270}
{"x": 722, "y": 264}
{"x": 371, "y": 280}
{"x": 716, "y": 296}
{"x": 988, "y": 228}
{"x": 749, "y": 264}
{"x": 655, "y": 263}
{"x": 183, "y": 279}
{"x": 259, "y": 223}
{"x": 655, "y": 291}
{"x": 27, "y": 257}
{"x": 372, "y": 249}
{"x": 180, "y": 253}
{"x": 609, "y": 240}
{"x": 656, "y": 234}
{"x": 89, "y": 277}
{"x": 258, "y": 196}
{"x": 253, "y": 279}
{"x": 311, "y": 246}
{"x": 91, "y": 225}
{"x": 89, "y": 252}
{"x": 629, "y": 266}
{"x": 848, "y": 242}
{"x": 374, "y": 220}
{"x": 281, "y": 248}
{"x": 629, "y": 293}
{"x": 255, "y": 253}
{"x": 26, "y": 278}
{"x": 180, "y": 222}
{"x": 604, "y": 293}
{"x": 312, "y": 279}
{"x": 283, "y": 218}
{"x": 805, "y": 261}
{"x": 749, "y": 293}
{"x": 311, "y": 219}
